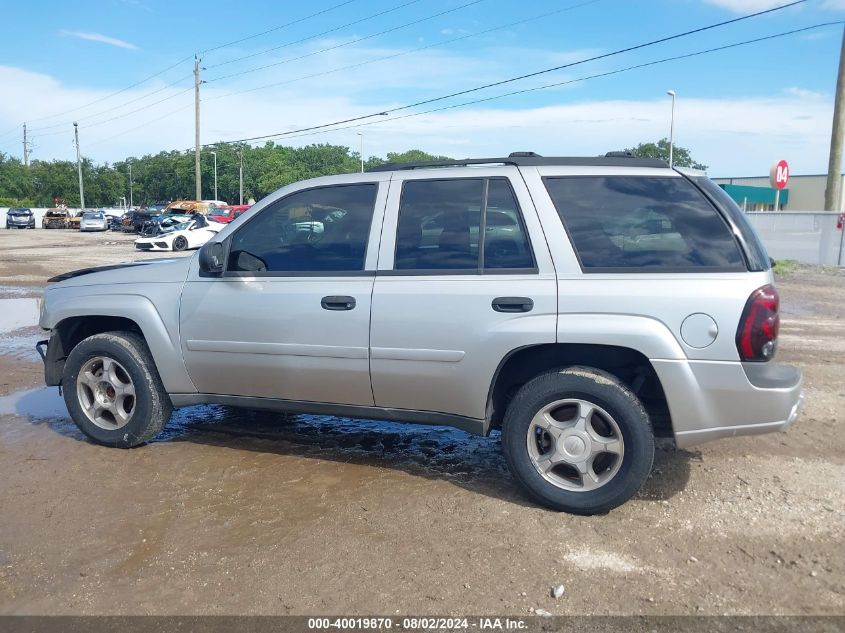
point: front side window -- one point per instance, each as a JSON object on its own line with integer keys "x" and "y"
{"x": 440, "y": 226}
{"x": 318, "y": 230}
{"x": 632, "y": 224}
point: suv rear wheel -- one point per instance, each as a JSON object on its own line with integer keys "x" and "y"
{"x": 113, "y": 391}
{"x": 578, "y": 440}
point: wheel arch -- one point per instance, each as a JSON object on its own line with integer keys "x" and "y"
{"x": 629, "y": 365}
{"x": 72, "y": 321}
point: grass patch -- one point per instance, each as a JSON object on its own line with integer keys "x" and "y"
{"x": 785, "y": 266}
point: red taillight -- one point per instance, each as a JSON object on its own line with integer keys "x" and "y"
{"x": 756, "y": 337}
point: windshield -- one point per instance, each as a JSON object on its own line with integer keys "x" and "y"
{"x": 92, "y": 216}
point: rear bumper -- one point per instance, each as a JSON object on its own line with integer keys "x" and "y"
{"x": 709, "y": 400}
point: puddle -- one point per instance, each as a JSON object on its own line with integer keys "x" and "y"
{"x": 425, "y": 449}
{"x": 41, "y": 403}
{"x": 20, "y": 291}
{"x": 17, "y": 313}
{"x": 20, "y": 343}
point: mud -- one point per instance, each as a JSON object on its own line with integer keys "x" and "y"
{"x": 232, "y": 511}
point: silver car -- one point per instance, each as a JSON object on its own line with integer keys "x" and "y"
{"x": 581, "y": 306}
{"x": 94, "y": 221}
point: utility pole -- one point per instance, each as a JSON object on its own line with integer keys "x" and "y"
{"x": 215, "y": 174}
{"x": 361, "y": 135}
{"x": 241, "y": 175}
{"x": 129, "y": 161}
{"x": 833, "y": 192}
{"x": 79, "y": 165}
{"x": 25, "y": 148}
{"x": 197, "y": 169}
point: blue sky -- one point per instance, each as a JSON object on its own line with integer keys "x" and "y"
{"x": 738, "y": 110}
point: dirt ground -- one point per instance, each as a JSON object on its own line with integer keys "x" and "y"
{"x": 231, "y": 512}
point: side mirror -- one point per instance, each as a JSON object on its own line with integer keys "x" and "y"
{"x": 211, "y": 258}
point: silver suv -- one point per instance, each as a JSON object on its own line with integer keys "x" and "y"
{"x": 581, "y": 305}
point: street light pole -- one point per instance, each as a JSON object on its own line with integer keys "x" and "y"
{"x": 79, "y": 165}
{"x": 671, "y": 93}
{"x": 215, "y": 174}
{"x": 130, "y": 183}
{"x": 241, "y": 176}
{"x": 361, "y": 138}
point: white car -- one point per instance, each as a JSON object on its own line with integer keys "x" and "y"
{"x": 192, "y": 233}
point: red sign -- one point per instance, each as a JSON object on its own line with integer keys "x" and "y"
{"x": 779, "y": 175}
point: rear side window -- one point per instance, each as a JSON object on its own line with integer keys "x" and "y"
{"x": 453, "y": 224}
{"x": 633, "y": 224}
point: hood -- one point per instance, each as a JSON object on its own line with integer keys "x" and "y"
{"x": 163, "y": 270}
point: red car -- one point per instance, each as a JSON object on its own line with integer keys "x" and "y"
{"x": 227, "y": 214}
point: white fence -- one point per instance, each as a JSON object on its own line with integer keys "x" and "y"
{"x": 809, "y": 237}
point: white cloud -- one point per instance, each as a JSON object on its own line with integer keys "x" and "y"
{"x": 733, "y": 136}
{"x": 99, "y": 37}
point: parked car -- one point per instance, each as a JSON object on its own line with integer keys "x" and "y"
{"x": 114, "y": 221}
{"x": 158, "y": 206}
{"x": 187, "y": 206}
{"x": 75, "y": 219}
{"x": 161, "y": 223}
{"x": 192, "y": 233}
{"x": 224, "y": 215}
{"x": 55, "y": 219}
{"x": 631, "y": 300}
{"x": 93, "y": 221}
{"x": 20, "y": 218}
{"x": 134, "y": 221}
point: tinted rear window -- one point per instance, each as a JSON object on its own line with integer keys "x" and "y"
{"x": 758, "y": 257}
{"x": 632, "y": 224}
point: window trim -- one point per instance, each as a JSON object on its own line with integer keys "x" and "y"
{"x": 628, "y": 270}
{"x": 480, "y": 270}
{"x": 363, "y": 272}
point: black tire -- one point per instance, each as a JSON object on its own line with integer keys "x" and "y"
{"x": 596, "y": 387}
{"x": 180, "y": 243}
{"x": 152, "y": 406}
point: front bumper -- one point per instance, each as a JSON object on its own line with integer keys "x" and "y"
{"x": 709, "y": 400}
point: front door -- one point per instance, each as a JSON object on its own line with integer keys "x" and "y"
{"x": 289, "y": 318}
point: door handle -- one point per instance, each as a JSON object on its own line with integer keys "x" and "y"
{"x": 338, "y": 302}
{"x": 513, "y": 304}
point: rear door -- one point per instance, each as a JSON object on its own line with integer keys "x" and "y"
{"x": 459, "y": 286}
{"x": 290, "y": 317}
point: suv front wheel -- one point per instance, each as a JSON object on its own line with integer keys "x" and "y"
{"x": 578, "y": 440}
{"x": 113, "y": 391}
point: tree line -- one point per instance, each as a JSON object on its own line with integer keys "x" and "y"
{"x": 169, "y": 175}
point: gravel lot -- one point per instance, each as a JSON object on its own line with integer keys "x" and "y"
{"x": 231, "y": 512}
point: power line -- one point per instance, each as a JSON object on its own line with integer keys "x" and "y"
{"x": 114, "y": 94}
{"x": 349, "y": 43}
{"x": 120, "y": 116}
{"x": 117, "y": 107}
{"x": 524, "y": 76}
{"x": 171, "y": 67}
{"x": 276, "y": 28}
{"x": 311, "y": 37}
{"x": 577, "y": 80}
{"x": 399, "y": 54}
{"x": 142, "y": 125}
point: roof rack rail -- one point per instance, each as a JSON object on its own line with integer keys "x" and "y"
{"x": 530, "y": 159}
